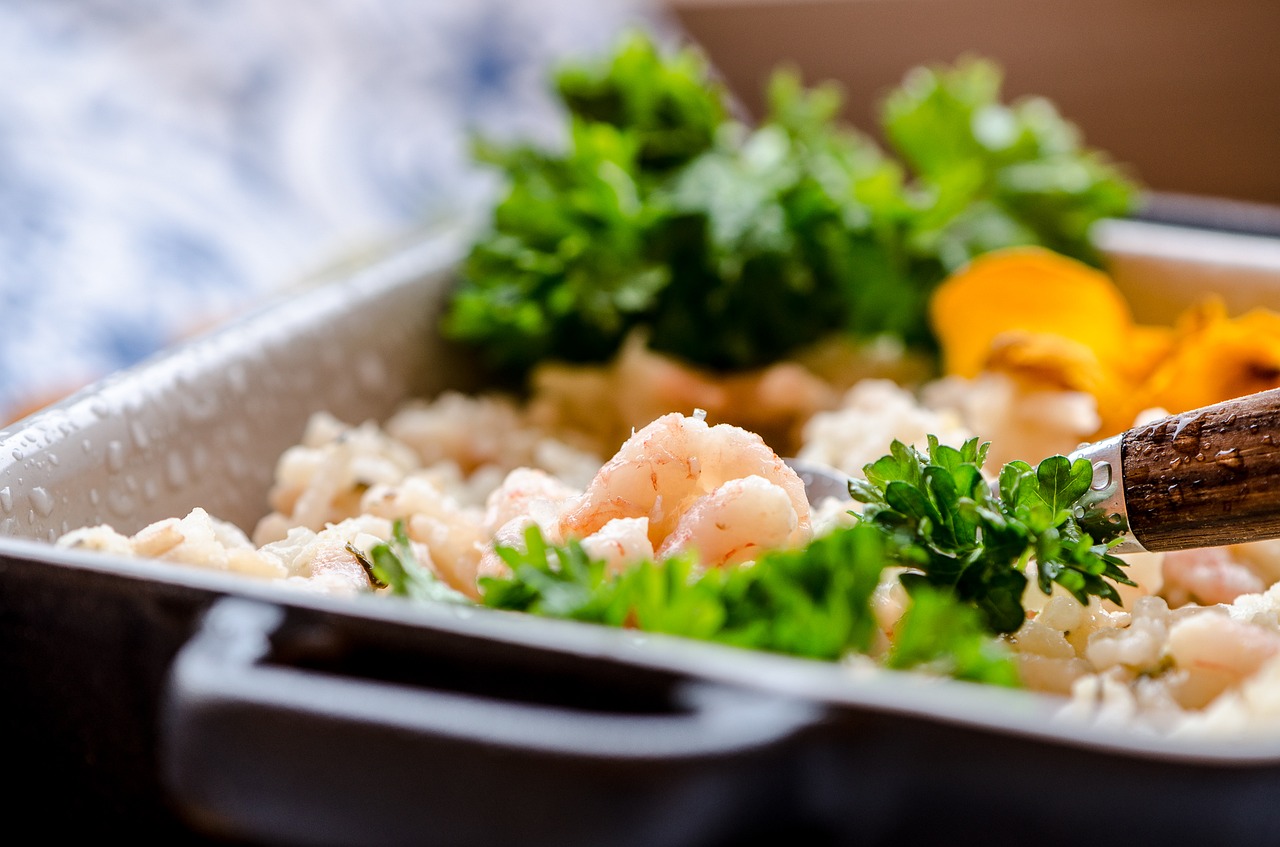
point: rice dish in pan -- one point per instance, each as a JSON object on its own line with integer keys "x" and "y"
{"x": 1193, "y": 648}
{"x": 685, "y": 300}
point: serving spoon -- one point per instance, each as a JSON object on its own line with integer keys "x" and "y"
{"x": 1204, "y": 478}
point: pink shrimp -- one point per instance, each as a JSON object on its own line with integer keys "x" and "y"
{"x": 667, "y": 467}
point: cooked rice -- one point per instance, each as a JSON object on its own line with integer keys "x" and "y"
{"x": 1196, "y": 649}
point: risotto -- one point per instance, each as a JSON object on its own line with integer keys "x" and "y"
{"x": 1193, "y": 648}
{"x": 731, "y": 246}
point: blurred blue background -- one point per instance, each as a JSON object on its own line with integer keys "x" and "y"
{"x": 165, "y": 164}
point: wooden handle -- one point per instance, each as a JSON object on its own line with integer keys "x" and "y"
{"x": 1206, "y": 478}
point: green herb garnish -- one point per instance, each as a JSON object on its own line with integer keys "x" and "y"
{"x": 393, "y": 565}
{"x": 732, "y": 246}
{"x": 992, "y": 175}
{"x": 813, "y": 602}
{"x": 963, "y": 549}
{"x": 943, "y": 636}
{"x": 943, "y": 521}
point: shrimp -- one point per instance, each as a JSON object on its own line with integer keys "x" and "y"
{"x": 1217, "y": 652}
{"x": 527, "y": 497}
{"x": 667, "y": 467}
{"x": 1207, "y": 576}
{"x": 526, "y": 491}
{"x": 620, "y": 543}
{"x": 734, "y": 523}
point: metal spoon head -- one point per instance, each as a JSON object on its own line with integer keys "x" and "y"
{"x": 820, "y": 481}
{"x": 1107, "y": 490}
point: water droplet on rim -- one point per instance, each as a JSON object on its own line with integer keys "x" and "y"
{"x": 41, "y": 502}
{"x": 140, "y": 435}
{"x": 115, "y": 456}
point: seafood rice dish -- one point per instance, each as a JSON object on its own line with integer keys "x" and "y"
{"x": 684, "y": 301}
{"x": 1193, "y": 648}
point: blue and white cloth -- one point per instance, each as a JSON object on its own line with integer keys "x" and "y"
{"x": 165, "y": 163}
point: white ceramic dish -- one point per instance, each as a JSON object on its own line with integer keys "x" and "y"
{"x": 190, "y": 704}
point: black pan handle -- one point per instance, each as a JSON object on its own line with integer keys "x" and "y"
{"x": 283, "y": 754}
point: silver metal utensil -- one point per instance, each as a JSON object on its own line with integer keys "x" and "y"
{"x": 1204, "y": 478}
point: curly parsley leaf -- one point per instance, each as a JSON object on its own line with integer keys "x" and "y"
{"x": 733, "y": 246}
{"x": 944, "y": 521}
{"x": 567, "y": 270}
{"x": 989, "y": 174}
{"x": 668, "y": 104}
{"x": 938, "y": 634}
{"x": 813, "y": 602}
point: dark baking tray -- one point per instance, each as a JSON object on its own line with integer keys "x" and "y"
{"x": 154, "y": 700}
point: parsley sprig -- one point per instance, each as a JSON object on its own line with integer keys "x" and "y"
{"x": 813, "y": 602}
{"x": 733, "y": 246}
{"x": 944, "y": 522}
